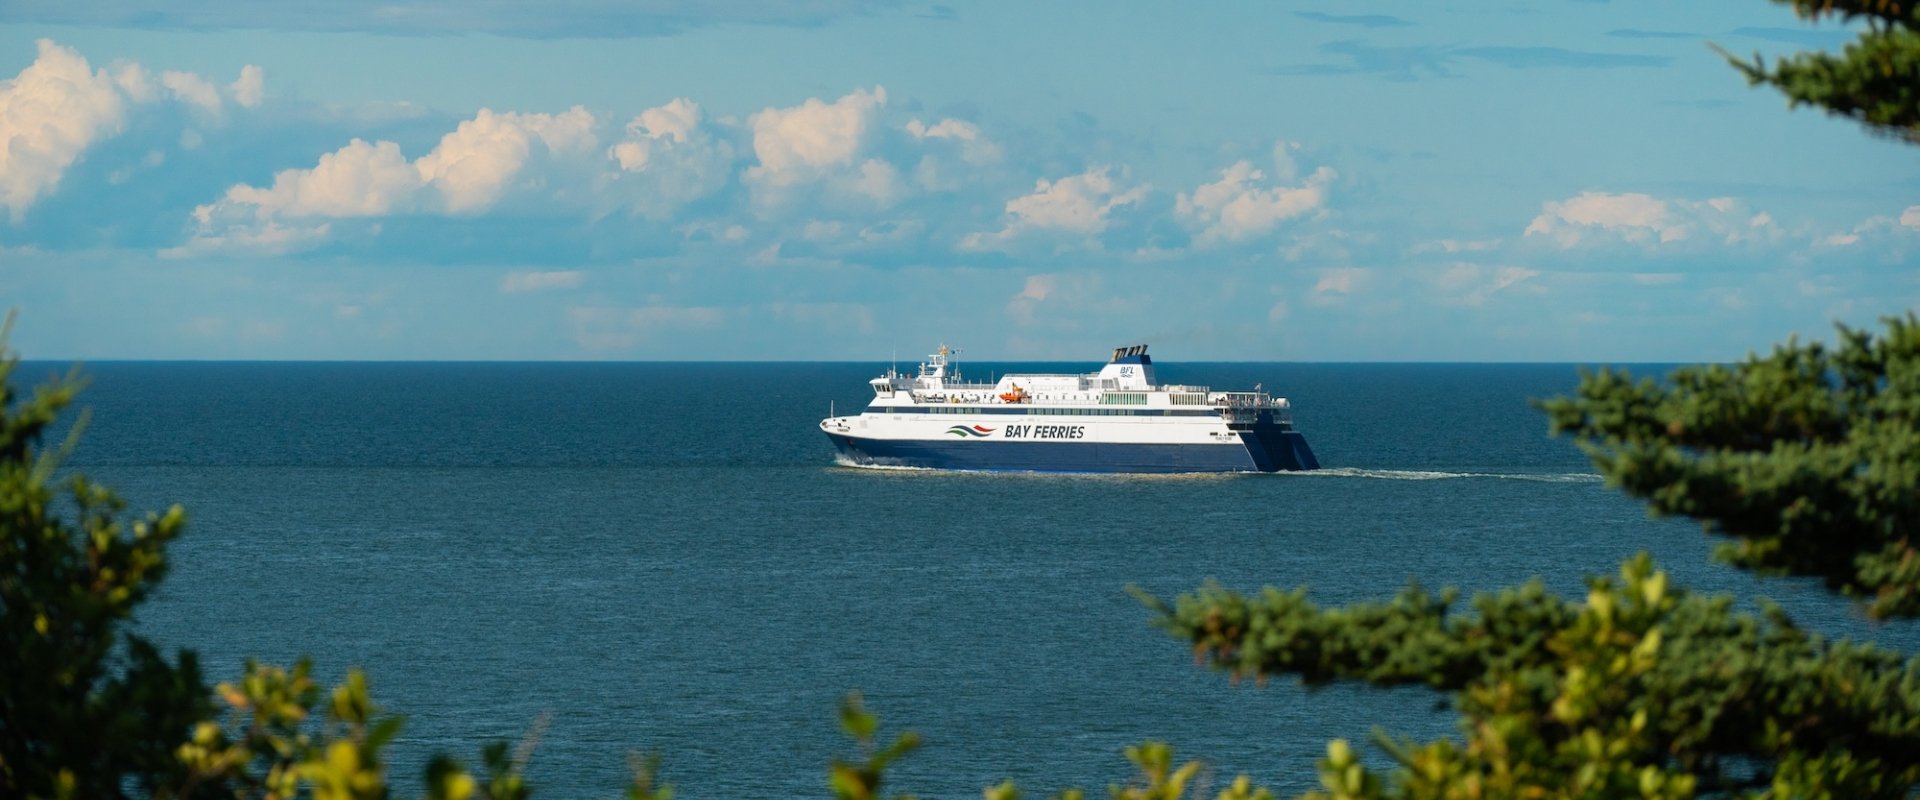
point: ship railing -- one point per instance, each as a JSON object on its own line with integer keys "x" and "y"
{"x": 1244, "y": 400}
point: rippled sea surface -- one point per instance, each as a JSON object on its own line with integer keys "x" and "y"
{"x": 665, "y": 558}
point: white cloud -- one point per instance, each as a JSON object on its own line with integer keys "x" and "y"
{"x": 49, "y": 115}
{"x": 975, "y": 148}
{"x": 192, "y": 90}
{"x": 133, "y": 79}
{"x": 956, "y": 154}
{"x": 472, "y": 166}
{"x": 518, "y": 282}
{"x": 1236, "y": 208}
{"x": 798, "y": 143}
{"x": 816, "y": 153}
{"x": 265, "y": 237}
{"x": 1077, "y": 204}
{"x": 361, "y": 179}
{"x": 669, "y": 158}
{"x": 673, "y": 123}
{"x": 59, "y": 107}
{"x": 877, "y": 180}
{"x": 1885, "y": 237}
{"x": 250, "y": 88}
{"x": 1598, "y": 218}
{"x": 467, "y": 173}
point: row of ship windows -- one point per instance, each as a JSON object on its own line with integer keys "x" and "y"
{"x": 1140, "y": 399}
{"x": 1063, "y": 412}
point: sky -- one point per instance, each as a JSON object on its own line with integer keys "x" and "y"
{"x": 1562, "y": 180}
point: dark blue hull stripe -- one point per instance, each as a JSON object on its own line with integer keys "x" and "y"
{"x": 1258, "y": 452}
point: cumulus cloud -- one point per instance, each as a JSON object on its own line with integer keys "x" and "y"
{"x": 362, "y": 179}
{"x": 268, "y": 236}
{"x": 466, "y": 173}
{"x": 1890, "y": 237}
{"x": 472, "y": 166}
{"x": 975, "y": 148}
{"x": 813, "y": 135}
{"x": 1077, "y": 204}
{"x": 956, "y": 152}
{"x": 250, "y": 88}
{"x": 812, "y": 141}
{"x": 819, "y": 150}
{"x": 670, "y": 124}
{"x": 1599, "y": 218}
{"x": 668, "y": 158}
{"x": 49, "y": 115}
{"x": 133, "y": 80}
{"x": 1238, "y": 207}
{"x": 59, "y": 107}
{"x": 192, "y": 90}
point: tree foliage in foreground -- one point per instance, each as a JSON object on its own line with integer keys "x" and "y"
{"x": 86, "y": 708}
{"x": 1641, "y": 689}
{"x": 1874, "y": 79}
{"x": 1808, "y": 458}
{"x": 89, "y": 710}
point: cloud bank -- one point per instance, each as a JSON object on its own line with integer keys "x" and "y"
{"x": 60, "y": 106}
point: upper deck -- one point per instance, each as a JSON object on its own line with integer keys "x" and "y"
{"x": 1126, "y": 385}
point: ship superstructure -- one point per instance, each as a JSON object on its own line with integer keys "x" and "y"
{"x": 1120, "y": 419}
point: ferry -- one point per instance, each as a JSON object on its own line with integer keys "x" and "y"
{"x": 1120, "y": 419}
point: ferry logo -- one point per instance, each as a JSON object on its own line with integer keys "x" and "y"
{"x": 969, "y": 432}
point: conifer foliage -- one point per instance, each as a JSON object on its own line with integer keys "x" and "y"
{"x": 1875, "y": 79}
{"x": 1639, "y": 689}
{"x": 1808, "y": 458}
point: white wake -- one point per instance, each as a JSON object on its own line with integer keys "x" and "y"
{"x": 1434, "y": 475}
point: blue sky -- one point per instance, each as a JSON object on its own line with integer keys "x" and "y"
{"x": 835, "y": 179}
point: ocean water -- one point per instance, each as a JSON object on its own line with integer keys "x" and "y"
{"x": 665, "y": 558}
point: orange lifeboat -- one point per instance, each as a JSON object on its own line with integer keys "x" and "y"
{"x": 1018, "y": 395}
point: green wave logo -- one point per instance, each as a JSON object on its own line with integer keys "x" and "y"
{"x": 969, "y": 431}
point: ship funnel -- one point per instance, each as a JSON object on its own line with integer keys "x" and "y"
{"x": 1131, "y": 368}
